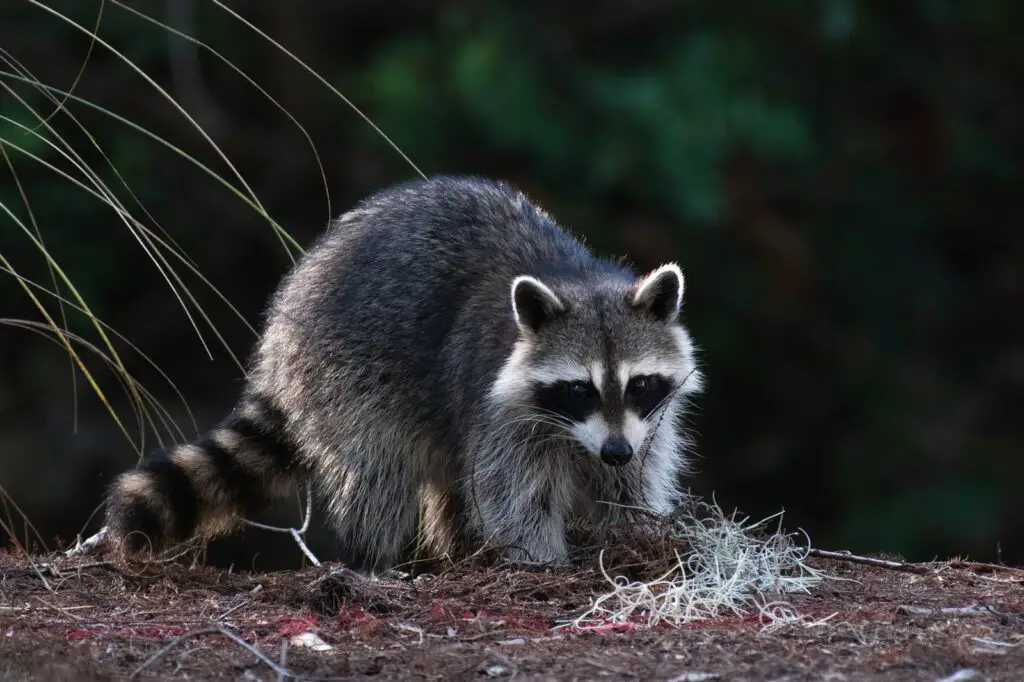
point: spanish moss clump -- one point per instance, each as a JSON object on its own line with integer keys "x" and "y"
{"x": 700, "y": 564}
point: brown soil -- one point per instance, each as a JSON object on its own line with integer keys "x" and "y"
{"x": 99, "y": 619}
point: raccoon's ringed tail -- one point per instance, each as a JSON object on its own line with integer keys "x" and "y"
{"x": 201, "y": 488}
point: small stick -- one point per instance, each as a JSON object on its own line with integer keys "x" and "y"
{"x": 296, "y": 533}
{"x": 302, "y": 545}
{"x": 920, "y": 569}
{"x": 282, "y": 673}
{"x": 59, "y": 608}
{"x": 83, "y": 547}
{"x": 982, "y": 566}
{"x": 232, "y": 610}
{"x": 972, "y": 610}
{"x": 284, "y": 658}
{"x": 55, "y": 572}
{"x": 409, "y": 627}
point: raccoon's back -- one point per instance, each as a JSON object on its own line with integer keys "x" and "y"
{"x": 391, "y": 275}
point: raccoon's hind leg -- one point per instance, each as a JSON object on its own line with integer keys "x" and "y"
{"x": 372, "y": 483}
{"x": 201, "y": 488}
{"x": 441, "y": 517}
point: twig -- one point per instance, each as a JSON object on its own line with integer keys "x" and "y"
{"x": 920, "y": 569}
{"x": 409, "y": 627}
{"x": 983, "y": 566}
{"x": 961, "y": 611}
{"x": 1003, "y": 581}
{"x": 61, "y": 609}
{"x": 89, "y": 544}
{"x": 995, "y": 643}
{"x": 55, "y": 572}
{"x": 302, "y": 545}
{"x": 39, "y": 573}
{"x": 284, "y": 658}
{"x": 282, "y": 673}
{"x": 232, "y": 609}
{"x": 296, "y": 533}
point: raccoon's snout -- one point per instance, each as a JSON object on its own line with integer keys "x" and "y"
{"x": 616, "y": 451}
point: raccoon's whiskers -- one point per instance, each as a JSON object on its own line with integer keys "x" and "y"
{"x": 552, "y": 417}
{"x": 559, "y": 431}
{"x": 553, "y": 420}
{"x": 552, "y": 413}
{"x": 538, "y": 420}
{"x": 510, "y": 438}
{"x": 662, "y": 412}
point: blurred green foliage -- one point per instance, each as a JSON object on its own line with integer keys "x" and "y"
{"x": 840, "y": 180}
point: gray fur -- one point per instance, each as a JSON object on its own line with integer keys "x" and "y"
{"x": 397, "y": 358}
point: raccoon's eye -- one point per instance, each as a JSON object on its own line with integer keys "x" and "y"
{"x": 637, "y": 386}
{"x": 578, "y": 390}
{"x": 573, "y": 400}
{"x": 646, "y": 393}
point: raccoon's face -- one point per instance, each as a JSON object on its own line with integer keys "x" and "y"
{"x": 606, "y": 360}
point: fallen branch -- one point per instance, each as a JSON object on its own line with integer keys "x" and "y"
{"x": 296, "y": 533}
{"x": 90, "y": 543}
{"x": 910, "y": 567}
{"x": 958, "y": 611}
{"x": 282, "y": 673}
{"x": 920, "y": 569}
{"x": 983, "y": 566}
{"x": 54, "y": 572}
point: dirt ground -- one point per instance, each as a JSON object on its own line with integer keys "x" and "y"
{"x": 94, "y": 618}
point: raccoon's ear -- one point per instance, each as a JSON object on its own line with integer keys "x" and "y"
{"x": 533, "y": 303}
{"x": 661, "y": 292}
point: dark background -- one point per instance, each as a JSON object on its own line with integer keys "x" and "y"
{"x": 840, "y": 181}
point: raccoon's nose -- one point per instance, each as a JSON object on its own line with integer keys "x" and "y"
{"x": 616, "y": 451}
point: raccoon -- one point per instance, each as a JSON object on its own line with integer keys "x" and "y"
{"x": 448, "y": 367}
